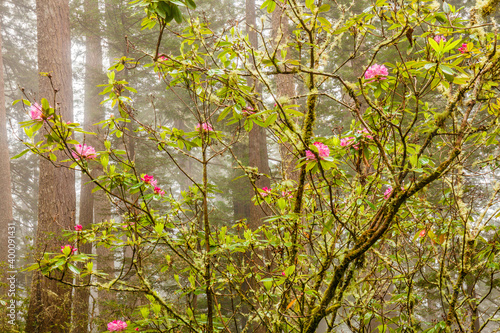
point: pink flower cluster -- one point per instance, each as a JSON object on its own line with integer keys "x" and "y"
{"x": 73, "y": 249}
{"x": 365, "y": 133}
{"x": 379, "y": 72}
{"x": 36, "y": 112}
{"x": 159, "y": 191}
{"x": 287, "y": 194}
{"x": 464, "y": 48}
{"x": 387, "y": 193}
{"x": 204, "y": 127}
{"x": 152, "y": 181}
{"x": 162, "y": 58}
{"x": 323, "y": 151}
{"x": 439, "y": 38}
{"x": 78, "y": 227}
{"x": 149, "y": 179}
{"x": 117, "y": 325}
{"x": 247, "y": 111}
{"x": 350, "y": 139}
{"x": 266, "y": 191}
{"x": 84, "y": 151}
{"x": 347, "y": 141}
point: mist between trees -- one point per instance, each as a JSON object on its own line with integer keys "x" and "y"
{"x": 242, "y": 166}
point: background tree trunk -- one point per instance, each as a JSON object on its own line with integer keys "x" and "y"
{"x": 285, "y": 88}
{"x": 93, "y": 112}
{"x": 5, "y": 185}
{"x": 50, "y": 304}
{"x": 257, "y": 143}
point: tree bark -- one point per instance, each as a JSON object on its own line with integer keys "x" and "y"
{"x": 285, "y": 89}
{"x": 50, "y": 304}
{"x": 257, "y": 145}
{"x": 6, "y": 220}
{"x": 93, "y": 113}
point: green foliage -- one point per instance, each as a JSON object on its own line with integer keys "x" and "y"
{"x": 371, "y": 236}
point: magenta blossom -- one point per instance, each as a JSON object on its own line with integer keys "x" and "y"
{"x": 162, "y": 58}
{"x": 439, "y": 38}
{"x": 266, "y": 191}
{"x": 349, "y": 141}
{"x": 387, "y": 193}
{"x": 117, "y": 325}
{"x": 283, "y": 273}
{"x": 323, "y": 151}
{"x": 378, "y": 72}
{"x": 204, "y": 127}
{"x": 36, "y": 112}
{"x": 84, "y": 151}
{"x": 464, "y": 48}
{"x": 78, "y": 227}
{"x": 73, "y": 249}
{"x": 365, "y": 133}
{"x": 159, "y": 191}
{"x": 149, "y": 179}
{"x": 247, "y": 111}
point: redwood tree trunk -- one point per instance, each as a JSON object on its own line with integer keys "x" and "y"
{"x": 93, "y": 113}
{"x": 257, "y": 145}
{"x": 50, "y": 304}
{"x": 285, "y": 90}
{"x": 5, "y": 185}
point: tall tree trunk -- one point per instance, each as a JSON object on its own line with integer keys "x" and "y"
{"x": 285, "y": 89}
{"x": 93, "y": 113}
{"x": 257, "y": 145}
{"x": 6, "y": 233}
{"x": 50, "y": 304}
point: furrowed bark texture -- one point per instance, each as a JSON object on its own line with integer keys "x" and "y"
{"x": 5, "y": 194}
{"x": 50, "y": 304}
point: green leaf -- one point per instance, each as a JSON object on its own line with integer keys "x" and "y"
{"x": 74, "y": 269}
{"x": 20, "y": 154}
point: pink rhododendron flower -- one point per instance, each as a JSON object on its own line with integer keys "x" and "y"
{"x": 36, "y": 112}
{"x": 463, "y": 48}
{"x": 159, "y": 191}
{"x": 323, "y": 151}
{"x": 346, "y": 141}
{"x": 117, "y": 325}
{"x": 387, "y": 193}
{"x": 205, "y": 127}
{"x": 266, "y": 190}
{"x": 84, "y": 151}
{"x": 376, "y": 71}
{"x": 162, "y": 58}
{"x": 365, "y": 133}
{"x": 149, "y": 179}
{"x": 78, "y": 227}
{"x": 287, "y": 194}
{"x": 422, "y": 233}
{"x": 248, "y": 110}
{"x": 439, "y": 38}
{"x": 73, "y": 249}
{"x": 283, "y": 273}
